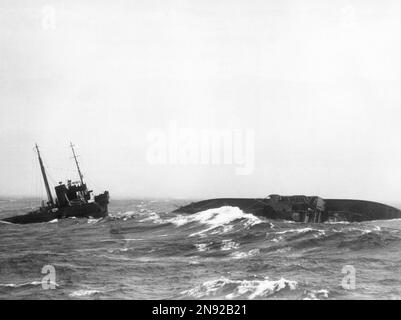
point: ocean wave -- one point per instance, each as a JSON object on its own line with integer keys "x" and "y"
{"x": 143, "y": 215}
{"x": 201, "y": 247}
{"x": 122, "y": 215}
{"x": 152, "y": 217}
{"x": 15, "y": 285}
{"x": 283, "y": 250}
{"x": 277, "y": 239}
{"x": 316, "y": 294}
{"x": 369, "y": 240}
{"x": 301, "y": 230}
{"x": 25, "y": 284}
{"x": 242, "y": 255}
{"x": 240, "y": 289}
{"x": 93, "y": 221}
{"x": 363, "y": 231}
{"x": 217, "y": 218}
{"x": 228, "y": 244}
{"x": 82, "y": 293}
{"x": 5, "y": 222}
{"x": 336, "y": 222}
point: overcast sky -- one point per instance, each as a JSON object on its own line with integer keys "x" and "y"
{"x": 318, "y": 82}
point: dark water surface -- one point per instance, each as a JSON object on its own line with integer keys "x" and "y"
{"x": 144, "y": 252}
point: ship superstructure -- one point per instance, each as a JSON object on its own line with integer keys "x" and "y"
{"x": 73, "y": 199}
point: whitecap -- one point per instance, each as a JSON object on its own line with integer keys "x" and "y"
{"x": 241, "y": 255}
{"x": 250, "y": 289}
{"x": 216, "y": 218}
{"x": 302, "y": 230}
{"x": 82, "y": 293}
{"x": 202, "y": 246}
{"x": 316, "y": 294}
{"x": 283, "y": 250}
{"x": 92, "y": 221}
{"x": 229, "y": 245}
{"x": 152, "y": 217}
{"x": 337, "y": 222}
{"x": 18, "y": 285}
{"x": 278, "y": 239}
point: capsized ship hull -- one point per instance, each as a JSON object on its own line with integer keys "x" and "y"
{"x": 301, "y": 208}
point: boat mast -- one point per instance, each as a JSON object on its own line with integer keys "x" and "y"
{"x": 81, "y": 177}
{"x": 42, "y": 168}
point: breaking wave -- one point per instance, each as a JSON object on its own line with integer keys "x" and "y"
{"x": 316, "y": 294}
{"x": 18, "y": 285}
{"x": 239, "y": 289}
{"x": 83, "y": 293}
{"x": 219, "y": 220}
{"x": 144, "y": 251}
{"x": 25, "y": 284}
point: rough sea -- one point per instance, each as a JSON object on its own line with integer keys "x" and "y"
{"x": 142, "y": 251}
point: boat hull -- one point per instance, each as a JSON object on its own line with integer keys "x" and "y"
{"x": 334, "y": 209}
{"x": 97, "y": 209}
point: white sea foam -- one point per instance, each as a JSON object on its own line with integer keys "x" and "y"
{"x": 241, "y": 255}
{"x": 82, "y": 293}
{"x": 53, "y": 221}
{"x": 363, "y": 231}
{"x": 202, "y": 246}
{"x": 18, "y": 285}
{"x": 376, "y": 228}
{"x": 278, "y": 239}
{"x": 337, "y": 222}
{"x": 152, "y": 217}
{"x": 5, "y": 222}
{"x": 249, "y": 289}
{"x": 216, "y": 218}
{"x": 302, "y": 230}
{"x": 223, "y": 229}
{"x": 317, "y": 294}
{"x": 229, "y": 245}
{"x": 91, "y": 220}
{"x": 124, "y": 215}
{"x": 283, "y": 250}
{"x": 143, "y": 214}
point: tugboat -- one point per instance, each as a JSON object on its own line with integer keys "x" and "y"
{"x": 72, "y": 200}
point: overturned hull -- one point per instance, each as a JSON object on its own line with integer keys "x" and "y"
{"x": 98, "y": 209}
{"x": 301, "y": 208}
{"x": 361, "y": 210}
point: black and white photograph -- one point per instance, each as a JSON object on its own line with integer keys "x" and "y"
{"x": 193, "y": 151}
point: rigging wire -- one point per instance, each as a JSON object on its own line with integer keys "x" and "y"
{"x": 66, "y": 172}
{"x": 88, "y": 181}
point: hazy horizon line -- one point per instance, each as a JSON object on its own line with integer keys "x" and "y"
{"x": 126, "y": 197}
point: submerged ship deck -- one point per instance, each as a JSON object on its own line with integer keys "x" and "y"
{"x": 301, "y": 208}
